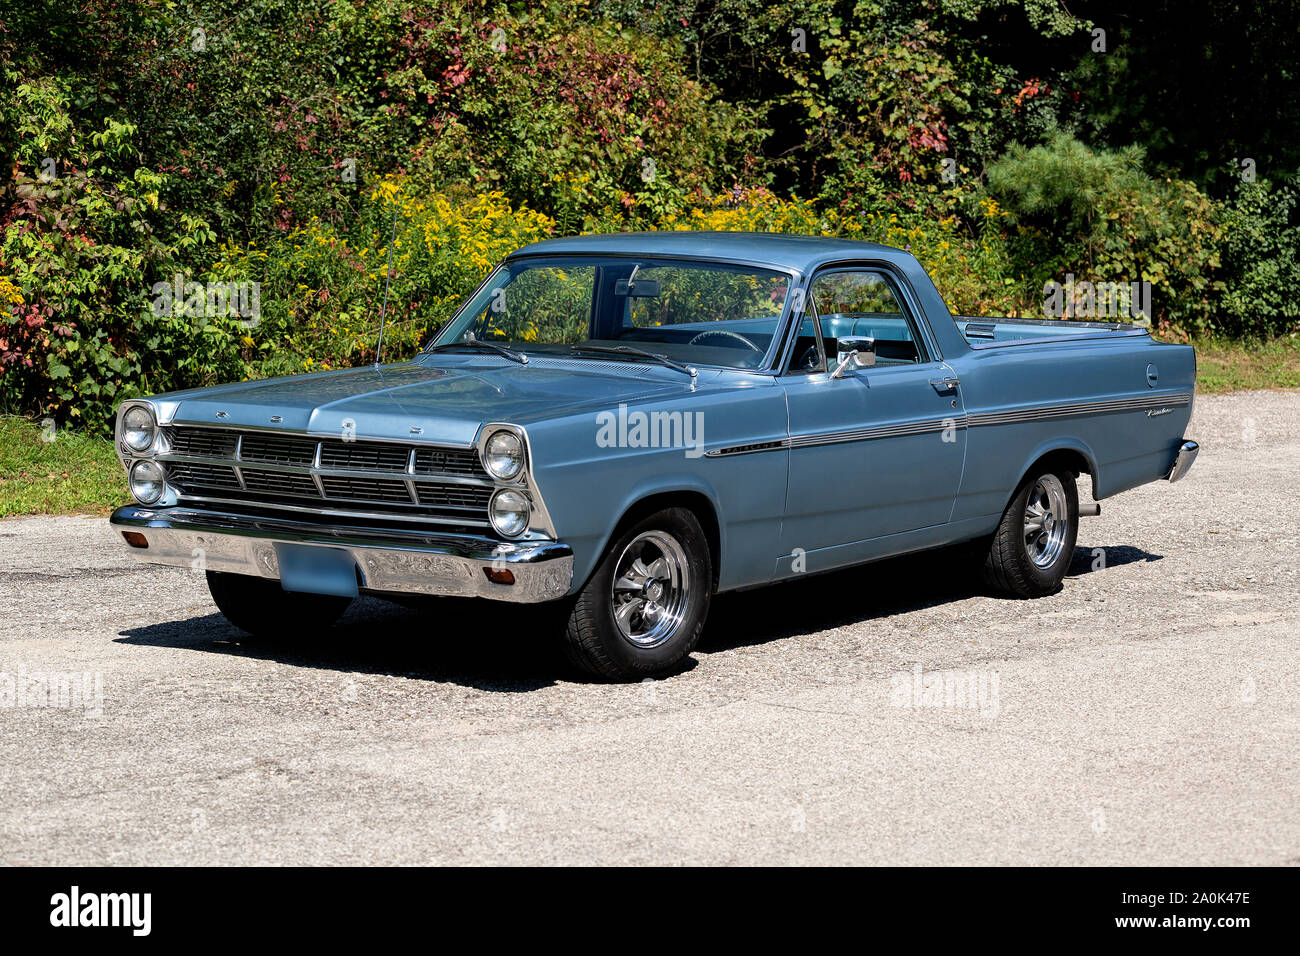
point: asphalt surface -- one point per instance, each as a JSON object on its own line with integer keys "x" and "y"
{"x": 1149, "y": 713}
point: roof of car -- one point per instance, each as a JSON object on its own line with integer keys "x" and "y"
{"x": 782, "y": 250}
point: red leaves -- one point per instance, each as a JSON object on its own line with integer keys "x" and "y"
{"x": 1032, "y": 88}
{"x": 457, "y": 74}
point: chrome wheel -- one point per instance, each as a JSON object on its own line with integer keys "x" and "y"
{"x": 1047, "y": 521}
{"x": 651, "y": 589}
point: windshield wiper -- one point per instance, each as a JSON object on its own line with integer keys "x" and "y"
{"x": 642, "y": 353}
{"x": 511, "y": 354}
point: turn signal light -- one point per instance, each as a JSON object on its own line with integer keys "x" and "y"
{"x": 503, "y": 576}
{"x": 135, "y": 539}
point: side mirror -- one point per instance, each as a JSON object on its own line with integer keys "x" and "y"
{"x": 858, "y": 351}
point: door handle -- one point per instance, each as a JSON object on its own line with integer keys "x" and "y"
{"x": 945, "y": 384}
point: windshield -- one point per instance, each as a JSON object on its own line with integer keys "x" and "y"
{"x": 693, "y": 312}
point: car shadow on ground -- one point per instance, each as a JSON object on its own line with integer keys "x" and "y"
{"x": 507, "y": 648}
{"x": 476, "y": 644}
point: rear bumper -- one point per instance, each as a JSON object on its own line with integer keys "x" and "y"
{"x": 1183, "y": 461}
{"x": 394, "y": 561}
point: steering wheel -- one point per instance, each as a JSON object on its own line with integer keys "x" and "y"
{"x": 809, "y": 360}
{"x": 723, "y": 332}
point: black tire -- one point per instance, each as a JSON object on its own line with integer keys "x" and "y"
{"x": 267, "y": 611}
{"x": 595, "y": 641}
{"x": 1015, "y": 564}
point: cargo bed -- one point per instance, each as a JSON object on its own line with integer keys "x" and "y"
{"x": 987, "y": 332}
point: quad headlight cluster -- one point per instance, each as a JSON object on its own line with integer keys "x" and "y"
{"x": 138, "y": 435}
{"x": 510, "y": 510}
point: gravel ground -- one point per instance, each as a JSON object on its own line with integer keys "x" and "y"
{"x": 1149, "y": 713}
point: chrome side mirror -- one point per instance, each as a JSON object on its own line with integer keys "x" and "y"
{"x": 857, "y": 350}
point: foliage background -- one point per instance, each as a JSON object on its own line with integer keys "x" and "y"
{"x": 278, "y": 141}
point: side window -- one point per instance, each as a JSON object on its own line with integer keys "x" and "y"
{"x": 863, "y": 303}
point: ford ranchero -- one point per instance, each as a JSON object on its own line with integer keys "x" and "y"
{"x": 629, "y": 424}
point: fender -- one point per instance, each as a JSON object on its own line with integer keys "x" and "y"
{"x": 1048, "y": 447}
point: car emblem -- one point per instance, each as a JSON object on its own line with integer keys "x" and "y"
{"x": 276, "y": 419}
{"x": 222, "y": 415}
{"x": 417, "y": 430}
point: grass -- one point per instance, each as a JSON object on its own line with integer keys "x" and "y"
{"x": 71, "y": 473}
{"x": 1223, "y": 365}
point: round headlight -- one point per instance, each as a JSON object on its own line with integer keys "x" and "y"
{"x": 138, "y": 428}
{"x": 503, "y": 455}
{"x": 509, "y": 512}
{"x": 147, "y": 481}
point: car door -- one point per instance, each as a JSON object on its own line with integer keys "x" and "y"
{"x": 879, "y": 450}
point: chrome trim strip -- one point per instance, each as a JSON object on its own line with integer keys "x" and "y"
{"x": 900, "y": 430}
{"x": 753, "y": 448}
{"x": 391, "y": 561}
{"x": 470, "y": 519}
{"x": 315, "y": 463}
{"x": 317, "y": 436}
{"x": 1068, "y": 409}
{"x": 1057, "y": 339}
{"x": 1013, "y": 416}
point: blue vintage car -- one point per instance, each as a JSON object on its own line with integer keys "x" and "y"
{"x": 630, "y": 424}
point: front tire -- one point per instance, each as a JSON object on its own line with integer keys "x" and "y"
{"x": 267, "y": 611}
{"x": 1034, "y": 543}
{"x": 643, "y": 609}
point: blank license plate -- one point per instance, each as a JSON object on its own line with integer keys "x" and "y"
{"x": 317, "y": 570}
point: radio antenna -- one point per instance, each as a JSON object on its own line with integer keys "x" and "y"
{"x": 388, "y": 280}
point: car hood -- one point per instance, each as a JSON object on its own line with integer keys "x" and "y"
{"x": 446, "y": 403}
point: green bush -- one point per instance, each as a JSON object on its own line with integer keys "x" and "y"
{"x": 1097, "y": 214}
{"x": 1261, "y": 258}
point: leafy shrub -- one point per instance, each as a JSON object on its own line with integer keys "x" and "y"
{"x": 1261, "y": 257}
{"x": 83, "y": 231}
{"x": 1098, "y": 215}
{"x": 322, "y": 290}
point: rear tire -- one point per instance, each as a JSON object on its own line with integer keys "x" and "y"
{"x": 643, "y": 609}
{"x": 267, "y": 611}
{"x": 1034, "y": 544}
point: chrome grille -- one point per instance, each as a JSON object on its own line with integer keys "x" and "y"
{"x": 448, "y": 461}
{"x": 280, "y": 482}
{"x": 453, "y": 496}
{"x": 203, "y": 442}
{"x": 193, "y": 474}
{"x": 274, "y": 450}
{"x": 366, "y": 489}
{"x": 367, "y": 457}
{"x": 388, "y": 478}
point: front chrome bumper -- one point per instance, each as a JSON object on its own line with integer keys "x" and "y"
{"x": 394, "y": 561}
{"x": 1183, "y": 461}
